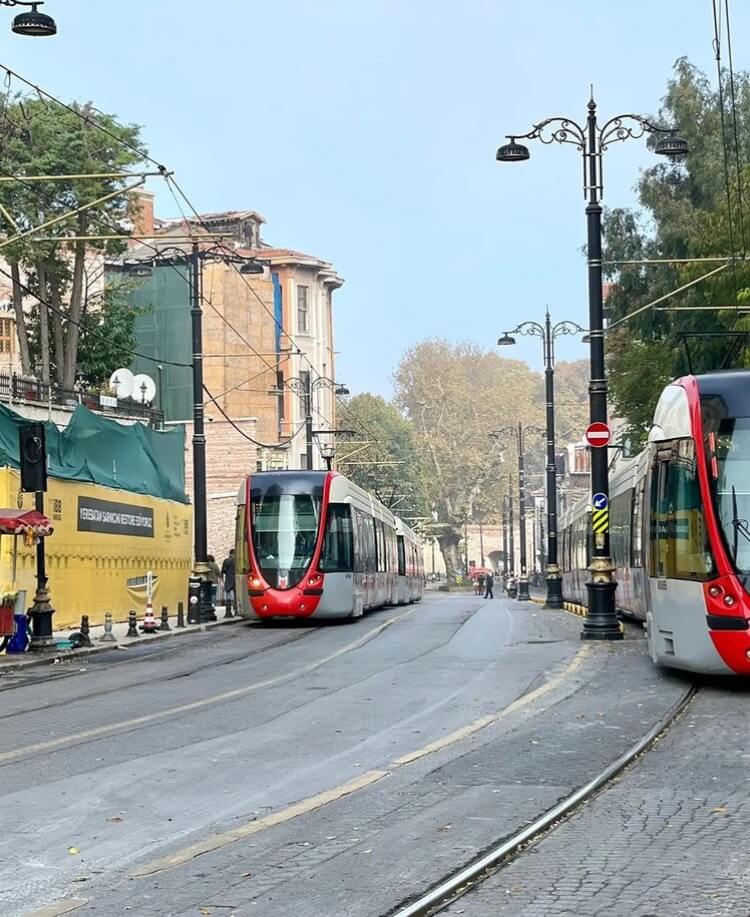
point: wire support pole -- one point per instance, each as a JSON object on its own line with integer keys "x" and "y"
{"x": 201, "y": 590}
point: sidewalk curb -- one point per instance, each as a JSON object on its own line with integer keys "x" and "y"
{"x": 83, "y": 652}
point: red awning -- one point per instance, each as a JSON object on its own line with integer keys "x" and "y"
{"x": 19, "y": 521}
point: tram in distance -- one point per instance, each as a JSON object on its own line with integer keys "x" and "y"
{"x": 313, "y": 543}
{"x": 680, "y": 529}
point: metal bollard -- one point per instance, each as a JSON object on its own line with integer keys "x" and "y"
{"x": 85, "y": 633}
{"x": 132, "y": 625}
{"x": 180, "y": 614}
{"x": 107, "y": 636}
{"x": 164, "y": 625}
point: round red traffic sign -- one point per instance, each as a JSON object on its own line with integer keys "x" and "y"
{"x": 598, "y": 435}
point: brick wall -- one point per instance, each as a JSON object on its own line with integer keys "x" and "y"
{"x": 228, "y": 458}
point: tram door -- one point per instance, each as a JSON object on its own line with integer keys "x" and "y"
{"x": 679, "y": 556}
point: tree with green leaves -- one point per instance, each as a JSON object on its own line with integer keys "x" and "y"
{"x": 696, "y": 209}
{"x": 455, "y": 395}
{"x": 382, "y": 456}
{"x": 39, "y": 138}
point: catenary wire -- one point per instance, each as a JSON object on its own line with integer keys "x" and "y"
{"x": 730, "y": 218}
{"x": 740, "y": 203}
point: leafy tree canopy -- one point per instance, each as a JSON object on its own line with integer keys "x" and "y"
{"x": 685, "y": 214}
{"x": 39, "y": 138}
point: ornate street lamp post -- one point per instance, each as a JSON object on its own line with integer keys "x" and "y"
{"x": 523, "y": 579}
{"x": 548, "y": 332}
{"x": 305, "y": 388}
{"x": 200, "y": 590}
{"x": 591, "y": 141}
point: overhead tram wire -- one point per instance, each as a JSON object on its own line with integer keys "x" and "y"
{"x": 281, "y": 443}
{"x": 730, "y": 218}
{"x": 43, "y": 94}
{"x": 740, "y": 204}
{"x": 93, "y": 122}
{"x": 102, "y": 222}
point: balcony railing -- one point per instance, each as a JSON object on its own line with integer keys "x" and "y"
{"x": 23, "y": 390}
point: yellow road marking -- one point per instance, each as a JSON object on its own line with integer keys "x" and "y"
{"x": 147, "y": 718}
{"x": 491, "y": 718}
{"x": 269, "y": 821}
{"x": 215, "y": 841}
{"x": 59, "y": 907}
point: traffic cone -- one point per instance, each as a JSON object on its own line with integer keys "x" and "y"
{"x": 149, "y": 621}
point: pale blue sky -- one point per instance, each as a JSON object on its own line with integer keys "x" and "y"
{"x": 365, "y": 132}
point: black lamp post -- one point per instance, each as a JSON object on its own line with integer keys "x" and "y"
{"x": 548, "y": 332}
{"x": 523, "y": 579}
{"x": 200, "y": 592}
{"x": 592, "y": 140}
{"x": 305, "y": 388}
{"x": 34, "y": 23}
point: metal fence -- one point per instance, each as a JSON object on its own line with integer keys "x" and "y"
{"x": 16, "y": 389}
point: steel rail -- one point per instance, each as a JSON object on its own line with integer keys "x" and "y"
{"x": 447, "y": 891}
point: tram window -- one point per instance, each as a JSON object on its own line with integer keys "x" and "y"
{"x": 679, "y": 541}
{"x": 401, "y": 556}
{"x": 285, "y": 528}
{"x": 336, "y": 556}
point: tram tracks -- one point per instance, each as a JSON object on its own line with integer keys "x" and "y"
{"x": 456, "y": 885}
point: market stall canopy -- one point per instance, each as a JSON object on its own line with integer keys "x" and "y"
{"x": 20, "y": 521}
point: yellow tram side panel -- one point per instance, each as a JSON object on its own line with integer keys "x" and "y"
{"x": 93, "y": 572}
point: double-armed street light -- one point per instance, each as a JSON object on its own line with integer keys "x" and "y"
{"x": 305, "y": 388}
{"x": 523, "y": 580}
{"x": 548, "y": 332}
{"x": 200, "y": 588}
{"x": 33, "y": 23}
{"x": 591, "y": 141}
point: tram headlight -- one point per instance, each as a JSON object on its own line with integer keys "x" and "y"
{"x": 729, "y": 600}
{"x": 715, "y": 591}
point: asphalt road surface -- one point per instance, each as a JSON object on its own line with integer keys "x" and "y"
{"x": 336, "y": 770}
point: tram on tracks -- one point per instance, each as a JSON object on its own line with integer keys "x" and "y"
{"x": 313, "y": 543}
{"x": 680, "y": 528}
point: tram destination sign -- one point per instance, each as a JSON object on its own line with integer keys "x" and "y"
{"x": 110, "y": 518}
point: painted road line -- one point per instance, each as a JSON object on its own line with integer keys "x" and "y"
{"x": 304, "y": 806}
{"x": 57, "y": 908}
{"x": 483, "y": 722}
{"x": 148, "y": 718}
{"x": 215, "y": 841}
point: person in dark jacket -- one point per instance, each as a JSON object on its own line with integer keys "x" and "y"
{"x": 489, "y": 582}
{"x": 227, "y": 575}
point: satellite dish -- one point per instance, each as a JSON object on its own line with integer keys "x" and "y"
{"x": 144, "y": 389}
{"x": 121, "y": 383}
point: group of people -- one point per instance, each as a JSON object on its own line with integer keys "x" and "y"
{"x": 484, "y": 583}
{"x": 223, "y": 575}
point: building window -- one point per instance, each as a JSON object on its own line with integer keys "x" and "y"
{"x": 302, "y": 317}
{"x": 7, "y": 331}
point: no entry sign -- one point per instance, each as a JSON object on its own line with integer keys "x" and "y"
{"x": 598, "y": 435}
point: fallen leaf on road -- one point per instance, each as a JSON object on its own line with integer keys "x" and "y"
{"x": 245, "y": 875}
{"x": 73, "y": 851}
{"x": 719, "y": 810}
{"x": 114, "y": 818}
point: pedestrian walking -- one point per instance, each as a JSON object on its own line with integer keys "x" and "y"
{"x": 479, "y": 584}
{"x": 489, "y": 582}
{"x": 214, "y": 575}
{"x": 227, "y": 575}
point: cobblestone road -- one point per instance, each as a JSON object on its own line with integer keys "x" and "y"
{"x": 669, "y": 839}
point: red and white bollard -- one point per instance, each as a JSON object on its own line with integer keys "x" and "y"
{"x": 149, "y": 625}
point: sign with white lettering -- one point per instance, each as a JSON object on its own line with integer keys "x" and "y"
{"x": 111, "y": 518}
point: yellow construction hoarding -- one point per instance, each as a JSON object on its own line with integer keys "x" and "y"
{"x": 105, "y": 543}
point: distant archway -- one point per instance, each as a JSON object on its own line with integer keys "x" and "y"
{"x": 496, "y": 560}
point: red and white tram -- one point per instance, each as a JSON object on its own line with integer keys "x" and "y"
{"x": 314, "y": 543}
{"x": 680, "y": 528}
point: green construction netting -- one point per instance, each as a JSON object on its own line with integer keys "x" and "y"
{"x": 96, "y": 449}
